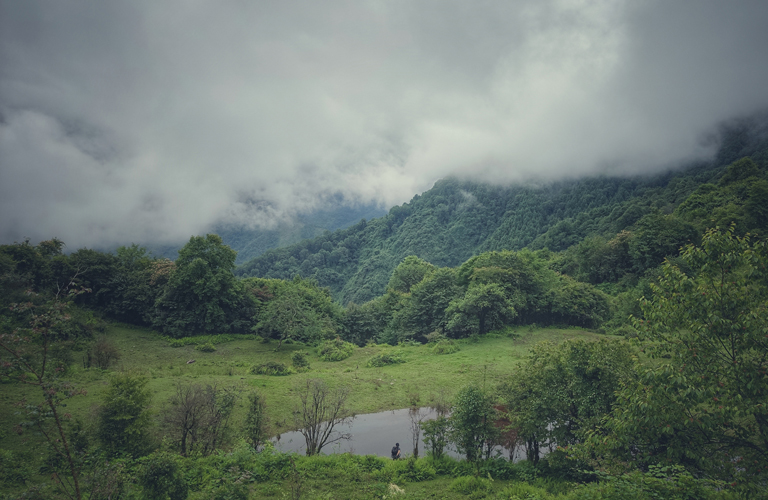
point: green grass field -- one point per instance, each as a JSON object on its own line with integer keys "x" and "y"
{"x": 422, "y": 379}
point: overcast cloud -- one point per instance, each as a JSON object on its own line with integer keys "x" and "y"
{"x": 150, "y": 121}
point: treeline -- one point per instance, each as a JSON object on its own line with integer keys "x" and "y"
{"x": 593, "y": 283}
{"x": 199, "y": 294}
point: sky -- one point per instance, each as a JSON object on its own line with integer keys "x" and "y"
{"x": 149, "y": 121}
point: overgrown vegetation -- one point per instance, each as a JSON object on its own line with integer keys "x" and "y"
{"x": 384, "y": 359}
{"x": 335, "y": 350}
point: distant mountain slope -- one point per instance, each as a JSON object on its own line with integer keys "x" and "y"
{"x": 250, "y": 243}
{"x": 458, "y": 219}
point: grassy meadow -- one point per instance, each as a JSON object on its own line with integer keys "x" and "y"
{"x": 422, "y": 379}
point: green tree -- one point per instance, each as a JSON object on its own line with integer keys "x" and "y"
{"x": 363, "y": 324}
{"x": 124, "y": 417}
{"x": 202, "y": 295}
{"x": 472, "y": 422}
{"x": 577, "y": 303}
{"x": 409, "y": 273}
{"x": 436, "y": 436}
{"x": 255, "y": 427}
{"x": 657, "y": 236}
{"x": 27, "y": 354}
{"x": 483, "y": 308}
{"x": 702, "y": 402}
{"x": 424, "y": 311}
{"x": 161, "y": 477}
{"x": 132, "y": 293}
{"x": 561, "y": 392}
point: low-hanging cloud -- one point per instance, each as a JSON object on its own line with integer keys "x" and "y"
{"x": 151, "y": 121}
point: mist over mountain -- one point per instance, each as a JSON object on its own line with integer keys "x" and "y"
{"x": 458, "y": 219}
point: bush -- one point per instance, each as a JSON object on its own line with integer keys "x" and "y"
{"x": 524, "y": 491}
{"x": 124, "y": 421}
{"x": 271, "y": 368}
{"x": 626, "y": 331}
{"x": 445, "y": 347}
{"x": 102, "y": 353}
{"x": 471, "y": 485}
{"x": 385, "y": 359}
{"x": 412, "y": 469}
{"x": 161, "y": 478}
{"x": 14, "y": 469}
{"x": 525, "y": 471}
{"x": 228, "y": 491}
{"x": 497, "y": 468}
{"x": 336, "y": 350}
{"x": 207, "y": 347}
{"x": 300, "y": 359}
{"x": 209, "y": 339}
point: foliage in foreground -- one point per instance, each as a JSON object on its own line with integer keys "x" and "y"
{"x": 702, "y": 402}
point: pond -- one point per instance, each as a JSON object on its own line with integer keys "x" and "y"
{"x": 376, "y": 434}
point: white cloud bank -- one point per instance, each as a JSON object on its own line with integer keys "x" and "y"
{"x": 151, "y": 121}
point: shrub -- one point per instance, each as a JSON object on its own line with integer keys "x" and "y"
{"x": 412, "y": 469}
{"x": 207, "y": 347}
{"x": 525, "y": 471}
{"x": 161, "y": 478}
{"x": 228, "y": 491}
{"x": 471, "y": 485}
{"x": 209, "y": 339}
{"x": 434, "y": 337}
{"x": 336, "y": 350}
{"x": 626, "y": 331}
{"x": 14, "y": 469}
{"x": 124, "y": 420}
{"x": 385, "y": 359}
{"x": 103, "y": 353}
{"x": 525, "y": 490}
{"x": 445, "y": 347}
{"x": 271, "y": 368}
{"x": 300, "y": 359}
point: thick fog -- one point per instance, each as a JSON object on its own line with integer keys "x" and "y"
{"x": 151, "y": 121}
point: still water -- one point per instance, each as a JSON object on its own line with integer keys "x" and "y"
{"x": 376, "y": 434}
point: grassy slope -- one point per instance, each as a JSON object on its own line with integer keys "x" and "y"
{"x": 424, "y": 376}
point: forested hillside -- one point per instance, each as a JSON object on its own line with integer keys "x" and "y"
{"x": 457, "y": 219}
{"x": 250, "y": 243}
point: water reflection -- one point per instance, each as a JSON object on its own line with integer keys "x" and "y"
{"x": 376, "y": 434}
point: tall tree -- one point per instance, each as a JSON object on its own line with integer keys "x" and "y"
{"x": 202, "y": 295}
{"x": 703, "y": 400}
{"x": 483, "y": 308}
{"x": 26, "y": 353}
{"x": 320, "y": 410}
{"x": 297, "y": 310}
{"x": 472, "y": 422}
{"x": 561, "y": 392}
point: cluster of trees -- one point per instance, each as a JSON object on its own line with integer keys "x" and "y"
{"x": 487, "y": 292}
{"x": 196, "y": 294}
{"x": 690, "y": 392}
{"x": 199, "y": 294}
